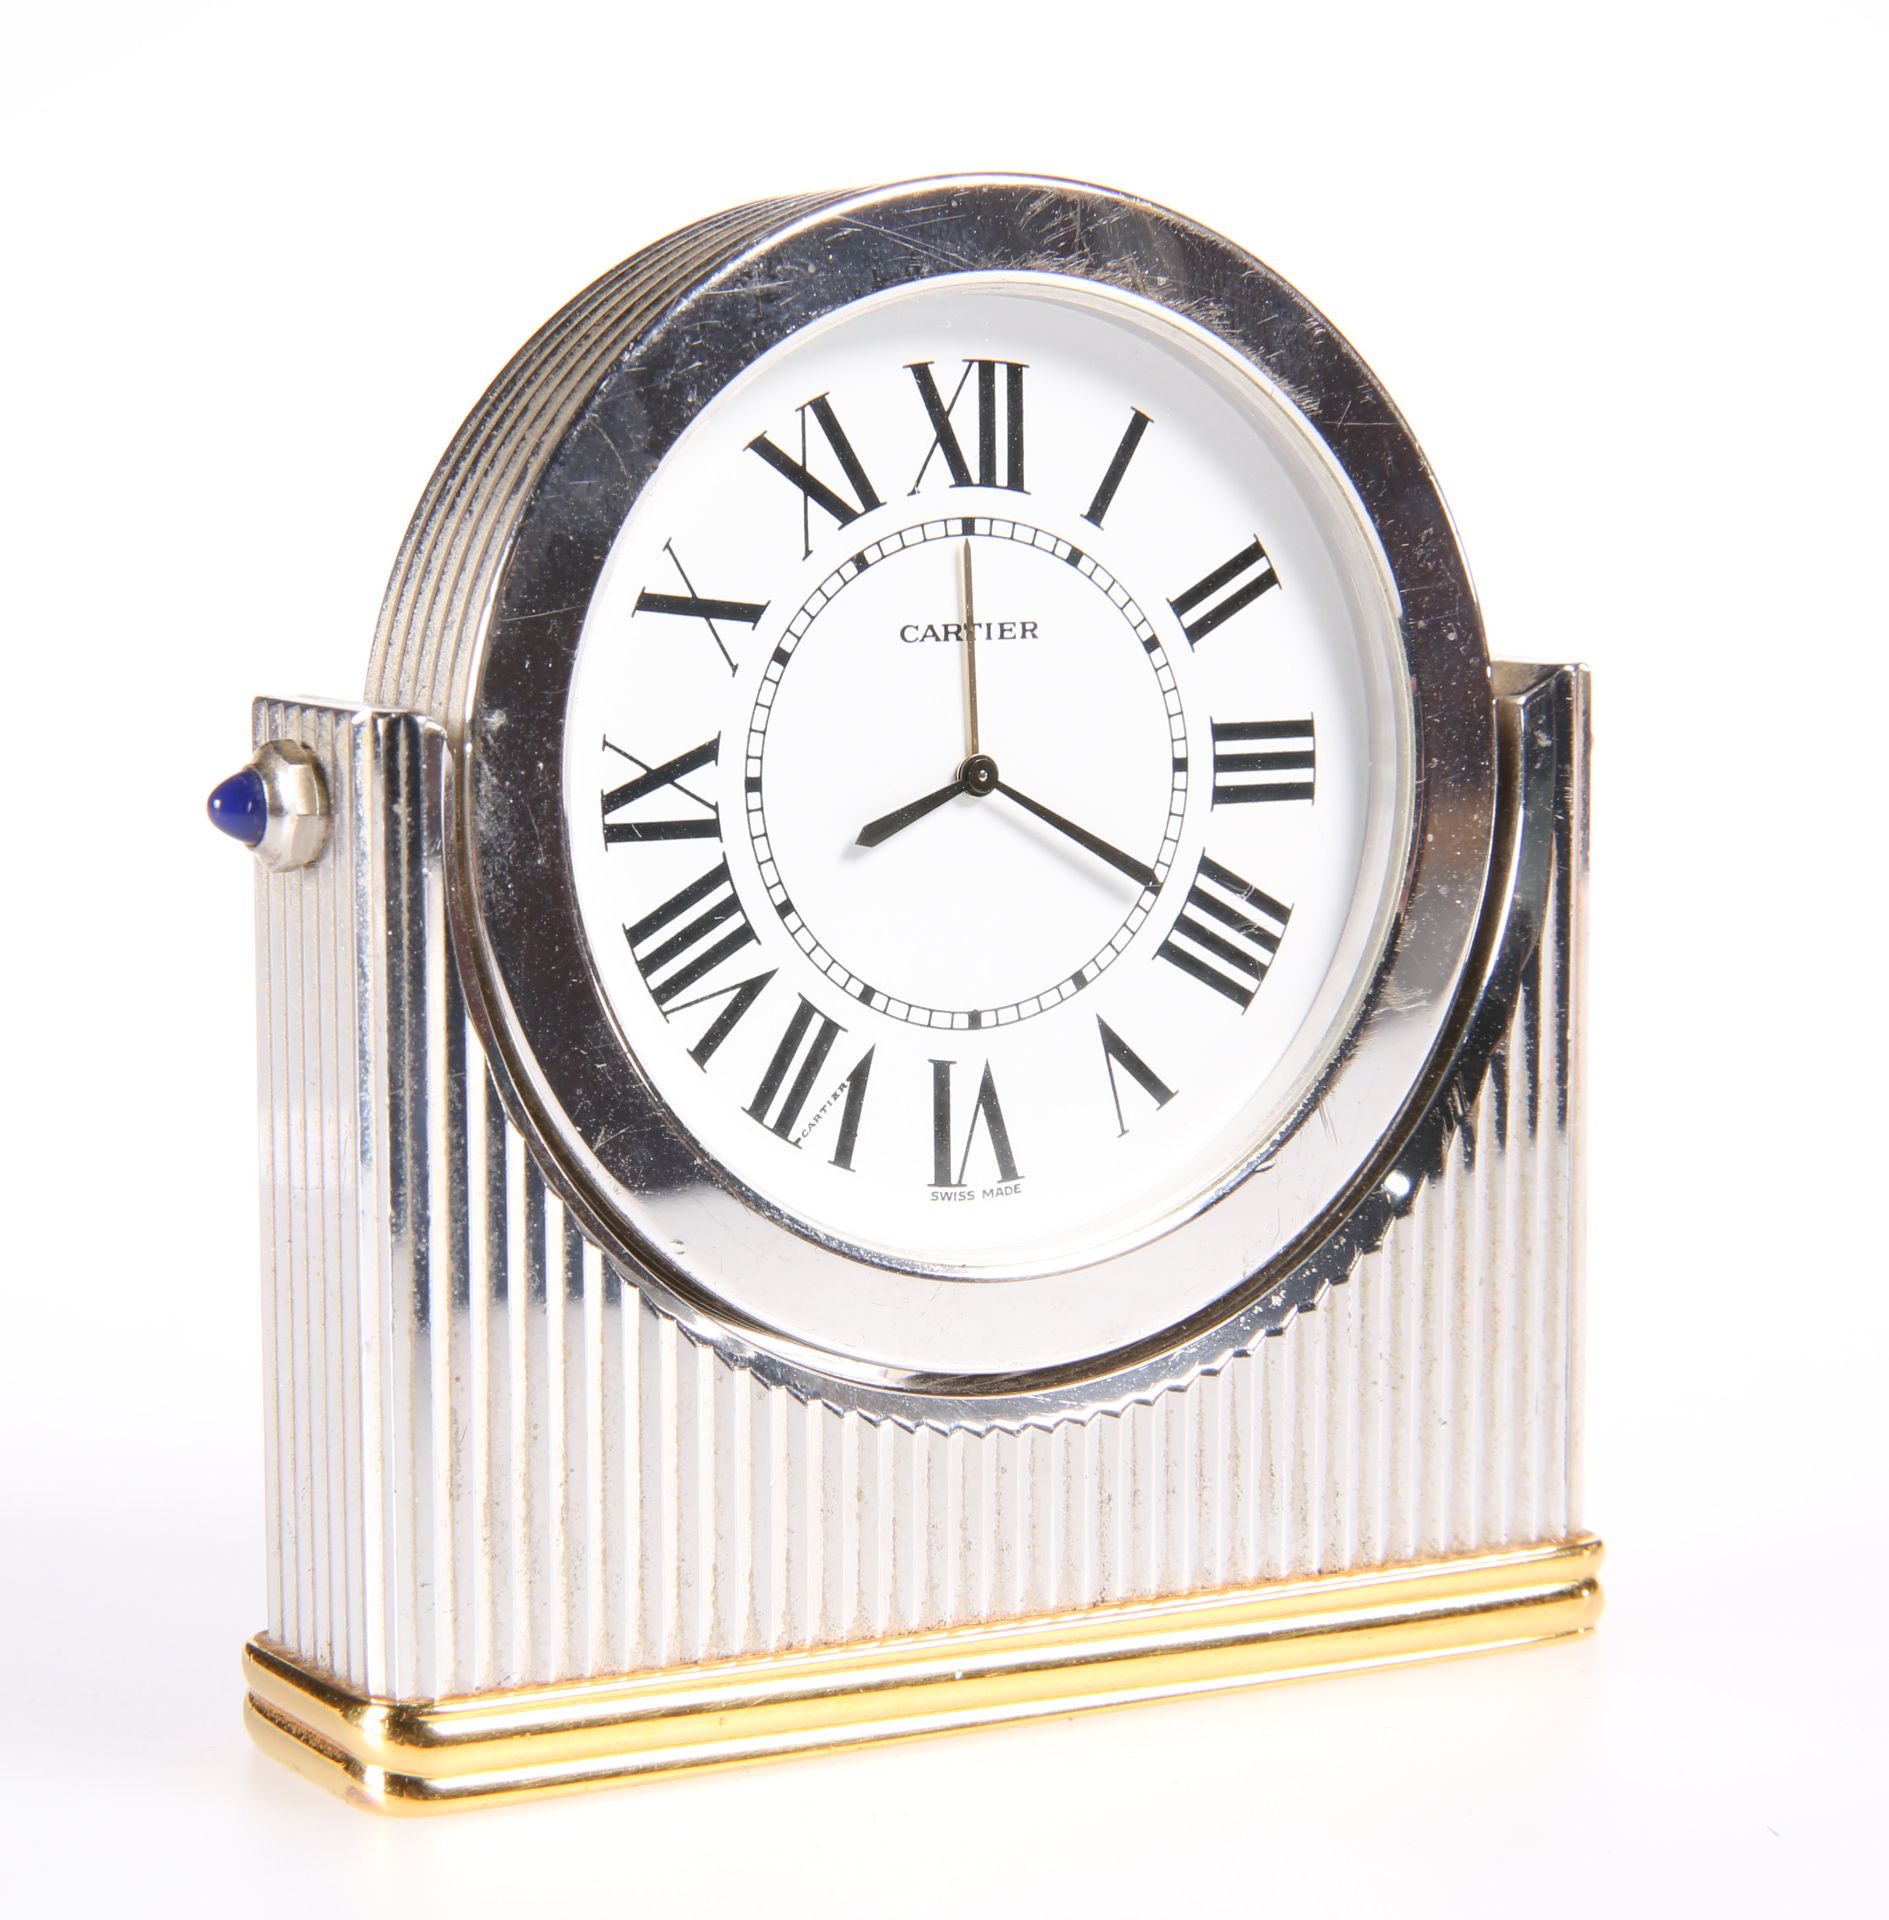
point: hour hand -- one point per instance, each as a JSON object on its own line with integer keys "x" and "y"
{"x": 900, "y": 818}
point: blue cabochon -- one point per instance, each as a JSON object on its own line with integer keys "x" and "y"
{"x": 240, "y": 807}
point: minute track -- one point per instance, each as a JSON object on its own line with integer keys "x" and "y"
{"x": 803, "y": 920}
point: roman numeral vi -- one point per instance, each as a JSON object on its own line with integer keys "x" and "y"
{"x": 987, "y": 1110}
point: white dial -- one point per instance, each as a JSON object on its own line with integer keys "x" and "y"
{"x": 986, "y": 770}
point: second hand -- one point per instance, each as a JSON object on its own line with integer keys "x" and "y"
{"x": 970, "y": 651}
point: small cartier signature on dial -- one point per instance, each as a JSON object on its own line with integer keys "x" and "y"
{"x": 915, "y": 634}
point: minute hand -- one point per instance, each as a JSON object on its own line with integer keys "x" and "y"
{"x": 1120, "y": 861}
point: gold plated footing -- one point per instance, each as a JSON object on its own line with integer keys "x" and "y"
{"x": 420, "y": 1757}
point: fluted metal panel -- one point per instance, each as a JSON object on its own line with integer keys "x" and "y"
{"x": 491, "y": 1461}
{"x": 457, "y": 541}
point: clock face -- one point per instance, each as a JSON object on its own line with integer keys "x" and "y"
{"x": 987, "y": 775}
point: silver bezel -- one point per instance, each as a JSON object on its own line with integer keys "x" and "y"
{"x": 606, "y": 1137}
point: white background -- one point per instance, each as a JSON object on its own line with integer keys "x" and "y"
{"x": 1622, "y": 268}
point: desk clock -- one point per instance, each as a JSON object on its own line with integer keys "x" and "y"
{"x": 919, "y": 1055}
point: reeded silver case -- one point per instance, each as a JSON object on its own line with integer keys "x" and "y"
{"x": 510, "y": 1446}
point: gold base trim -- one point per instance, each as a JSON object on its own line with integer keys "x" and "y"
{"x": 417, "y": 1757}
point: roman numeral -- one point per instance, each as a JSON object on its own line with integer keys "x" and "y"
{"x": 808, "y": 1019}
{"x": 1263, "y": 760}
{"x": 1138, "y": 424}
{"x": 1221, "y": 937}
{"x": 740, "y": 995}
{"x": 802, "y": 1052}
{"x": 653, "y": 780}
{"x": 684, "y": 939}
{"x": 814, "y": 491}
{"x": 1116, "y": 1052}
{"x": 855, "y": 1084}
{"x": 691, "y": 605}
{"x": 995, "y": 420}
{"x": 1249, "y": 567}
{"x": 987, "y": 1110}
